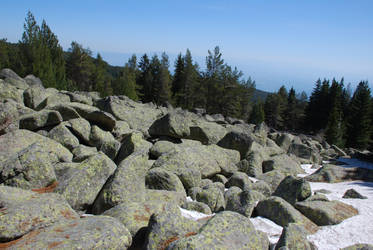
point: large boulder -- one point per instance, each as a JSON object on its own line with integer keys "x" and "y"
{"x": 272, "y": 178}
{"x": 104, "y": 141}
{"x": 166, "y": 225}
{"x": 126, "y": 185}
{"x": 325, "y": 213}
{"x": 359, "y": 247}
{"x": 213, "y": 197}
{"x": 23, "y": 211}
{"x": 76, "y": 97}
{"x": 33, "y": 81}
{"x": 29, "y": 168}
{"x": 283, "y": 213}
{"x": 53, "y": 100}
{"x": 18, "y": 140}
{"x": 293, "y": 189}
{"x": 81, "y": 184}
{"x": 294, "y": 236}
{"x": 9, "y": 91}
{"x": 34, "y": 96}
{"x": 197, "y": 206}
{"x": 139, "y": 116}
{"x": 242, "y": 202}
{"x": 66, "y": 111}
{"x": 13, "y": 79}
{"x": 239, "y": 179}
{"x": 206, "y": 132}
{"x": 159, "y": 178}
{"x": 82, "y": 152}
{"x": 353, "y": 194}
{"x": 306, "y": 153}
{"x": 283, "y": 163}
{"x": 174, "y": 124}
{"x": 95, "y": 116}
{"x": 226, "y": 230}
{"x": 63, "y": 135}
{"x": 93, "y": 232}
{"x": 81, "y": 129}
{"x": 237, "y": 140}
{"x": 132, "y": 143}
{"x": 40, "y": 119}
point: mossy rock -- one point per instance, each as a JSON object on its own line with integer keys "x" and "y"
{"x": 241, "y": 180}
{"x": 272, "y": 178}
{"x": 293, "y": 189}
{"x": 81, "y": 185}
{"x": 353, "y": 194}
{"x": 63, "y": 135}
{"x": 359, "y": 247}
{"x": 54, "y": 99}
{"x": 93, "y": 232}
{"x": 226, "y": 230}
{"x": 104, "y": 141}
{"x": 82, "y": 152}
{"x": 10, "y": 92}
{"x": 81, "y": 128}
{"x": 158, "y": 178}
{"x": 40, "y": 119}
{"x": 23, "y": 211}
{"x": 197, "y": 206}
{"x": 242, "y": 202}
{"x": 294, "y": 237}
{"x": 213, "y": 197}
{"x": 325, "y": 213}
{"x": 132, "y": 143}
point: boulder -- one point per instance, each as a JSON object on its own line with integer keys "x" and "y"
{"x": 294, "y": 237}
{"x": 293, "y": 189}
{"x": 135, "y": 215}
{"x": 34, "y": 96}
{"x": 242, "y": 202}
{"x": 40, "y": 120}
{"x": 283, "y": 163}
{"x": 237, "y": 140}
{"x": 13, "y": 79}
{"x": 139, "y": 116}
{"x": 121, "y": 130}
{"x": 18, "y": 140}
{"x": 82, "y": 152}
{"x": 162, "y": 147}
{"x": 353, "y": 194}
{"x": 53, "y": 100}
{"x": 81, "y": 129}
{"x": 282, "y": 213}
{"x": 81, "y": 184}
{"x": 304, "y": 152}
{"x": 104, "y": 141}
{"x": 220, "y": 178}
{"x": 262, "y": 187}
{"x": 166, "y": 225}
{"x": 132, "y": 143}
{"x": 359, "y": 247}
{"x": 23, "y": 211}
{"x": 272, "y": 178}
{"x": 213, "y": 197}
{"x": 284, "y": 140}
{"x": 126, "y": 185}
{"x": 76, "y": 97}
{"x": 174, "y": 124}
{"x": 9, "y": 91}
{"x": 66, "y": 112}
{"x": 29, "y": 168}
{"x": 226, "y": 230}
{"x": 95, "y": 116}
{"x": 325, "y": 213}
{"x": 159, "y": 178}
{"x": 240, "y": 180}
{"x": 8, "y": 117}
{"x": 197, "y": 206}
{"x": 62, "y": 134}
{"x": 206, "y": 132}
{"x": 93, "y": 232}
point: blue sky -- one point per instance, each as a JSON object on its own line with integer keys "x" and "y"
{"x": 275, "y": 42}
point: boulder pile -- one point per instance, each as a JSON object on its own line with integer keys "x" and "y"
{"x": 78, "y": 171}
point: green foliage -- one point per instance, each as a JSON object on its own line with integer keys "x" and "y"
{"x": 257, "y": 115}
{"x": 125, "y": 84}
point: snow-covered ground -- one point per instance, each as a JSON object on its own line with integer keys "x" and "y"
{"x": 357, "y": 229}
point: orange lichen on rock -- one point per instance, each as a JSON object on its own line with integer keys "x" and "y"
{"x": 190, "y": 234}
{"x": 25, "y": 239}
{"x": 47, "y": 189}
{"x": 68, "y": 214}
{"x": 54, "y": 244}
{"x": 167, "y": 242}
{"x": 141, "y": 218}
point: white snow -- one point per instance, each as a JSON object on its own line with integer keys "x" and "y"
{"x": 356, "y": 163}
{"x": 253, "y": 179}
{"x": 267, "y": 226}
{"x": 308, "y": 169}
{"x": 193, "y": 215}
{"x": 189, "y": 199}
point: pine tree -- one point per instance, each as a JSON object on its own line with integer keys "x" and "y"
{"x": 257, "y": 115}
{"x": 178, "y": 81}
{"x": 164, "y": 84}
{"x": 291, "y": 111}
{"x": 125, "y": 84}
{"x": 99, "y": 79}
{"x": 246, "y": 90}
{"x": 4, "y": 58}
{"x": 359, "y": 120}
{"x": 145, "y": 79}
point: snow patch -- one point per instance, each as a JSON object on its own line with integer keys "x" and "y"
{"x": 308, "y": 169}
{"x": 253, "y": 179}
{"x": 189, "y": 199}
{"x": 193, "y": 215}
{"x": 267, "y": 226}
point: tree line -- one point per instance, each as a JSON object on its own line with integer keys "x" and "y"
{"x": 343, "y": 118}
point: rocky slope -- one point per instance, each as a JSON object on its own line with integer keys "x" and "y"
{"x": 82, "y": 172}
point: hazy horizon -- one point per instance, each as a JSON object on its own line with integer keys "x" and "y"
{"x": 276, "y": 43}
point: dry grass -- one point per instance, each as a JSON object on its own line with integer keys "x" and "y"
{"x": 47, "y": 189}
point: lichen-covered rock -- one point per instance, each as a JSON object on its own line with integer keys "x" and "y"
{"x": 177, "y": 198}
{"x": 93, "y": 232}
{"x": 40, "y": 119}
{"x": 272, "y": 178}
{"x": 283, "y": 163}
{"x": 81, "y": 185}
{"x": 29, "y": 168}
{"x": 66, "y": 112}
{"x": 76, "y": 97}
{"x": 54, "y": 99}
{"x": 197, "y": 206}
{"x": 226, "y": 230}
{"x": 159, "y": 178}
{"x": 304, "y": 152}
{"x": 262, "y": 187}
{"x": 23, "y": 211}
{"x": 283, "y": 213}
{"x": 132, "y": 143}
{"x": 62, "y": 134}
{"x": 8, "y": 117}
{"x": 206, "y": 132}
{"x": 139, "y": 116}
{"x": 220, "y": 178}
{"x": 353, "y": 194}
{"x": 359, "y": 247}
{"x": 12, "y": 78}
{"x": 126, "y": 185}
{"x": 168, "y": 224}
{"x": 239, "y": 179}
{"x": 293, "y": 189}
{"x": 18, "y": 140}
{"x": 252, "y": 165}
{"x": 174, "y": 124}
{"x": 121, "y": 130}
{"x": 294, "y": 237}
{"x": 332, "y": 173}
{"x": 242, "y": 202}
{"x": 237, "y": 140}
{"x": 162, "y": 147}
{"x": 9, "y": 91}
{"x": 33, "y": 81}
{"x": 317, "y": 197}
{"x": 81, "y": 128}
{"x": 34, "y": 96}
{"x": 103, "y": 119}
{"x": 104, "y": 141}
{"x": 136, "y": 215}
{"x": 325, "y": 213}
{"x": 213, "y": 197}
{"x": 82, "y": 152}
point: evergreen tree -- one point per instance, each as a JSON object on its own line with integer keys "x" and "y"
{"x": 178, "y": 81}
{"x": 125, "y": 84}
{"x": 164, "y": 82}
{"x": 257, "y": 115}
{"x": 245, "y": 93}
{"x": 80, "y": 67}
{"x": 291, "y": 111}
{"x": 145, "y": 79}
{"x": 4, "y": 58}
{"x": 99, "y": 79}
{"x": 359, "y": 120}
